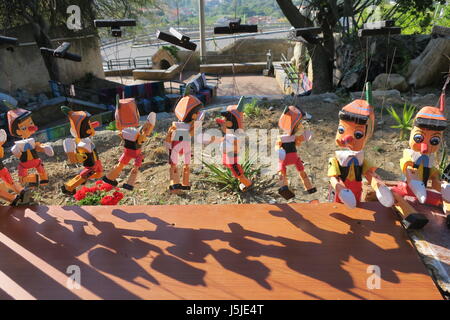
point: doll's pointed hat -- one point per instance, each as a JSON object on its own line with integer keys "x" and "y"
{"x": 187, "y": 105}
{"x": 79, "y": 122}
{"x": 127, "y": 113}
{"x": 235, "y": 114}
{"x": 14, "y": 115}
{"x": 290, "y": 119}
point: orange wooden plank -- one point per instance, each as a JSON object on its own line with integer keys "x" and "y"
{"x": 264, "y": 251}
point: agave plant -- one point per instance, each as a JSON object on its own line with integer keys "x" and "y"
{"x": 403, "y": 122}
{"x": 222, "y": 176}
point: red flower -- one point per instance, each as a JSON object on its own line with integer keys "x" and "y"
{"x": 106, "y": 187}
{"x": 107, "y": 201}
{"x": 79, "y": 195}
{"x": 118, "y": 196}
{"x": 98, "y": 182}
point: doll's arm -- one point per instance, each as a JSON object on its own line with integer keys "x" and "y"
{"x": 70, "y": 148}
{"x": 168, "y": 140}
{"x": 383, "y": 193}
{"x": 412, "y": 179}
{"x": 147, "y": 128}
{"x": 3, "y": 138}
{"x": 345, "y": 194}
{"x": 45, "y": 148}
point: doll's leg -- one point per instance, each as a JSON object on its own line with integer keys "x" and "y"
{"x": 175, "y": 184}
{"x": 131, "y": 179}
{"x": 43, "y": 176}
{"x": 186, "y": 172}
{"x": 238, "y": 172}
{"x": 111, "y": 177}
{"x": 5, "y": 194}
{"x": 411, "y": 219}
{"x": 306, "y": 182}
{"x": 284, "y": 190}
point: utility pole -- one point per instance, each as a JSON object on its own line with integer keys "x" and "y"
{"x": 178, "y": 14}
{"x": 201, "y": 9}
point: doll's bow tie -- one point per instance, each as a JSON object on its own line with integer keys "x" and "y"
{"x": 354, "y": 161}
{"x": 422, "y": 159}
{"x": 27, "y": 147}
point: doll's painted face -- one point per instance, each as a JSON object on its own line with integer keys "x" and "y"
{"x": 26, "y": 128}
{"x": 351, "y": 135}
{"x": 425, "y": 141}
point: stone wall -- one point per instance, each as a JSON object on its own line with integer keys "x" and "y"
{"x": 25, "y": 68}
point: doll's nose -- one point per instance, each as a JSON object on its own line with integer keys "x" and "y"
{"x": 220, "y": 121}
{"x": 348, "y": 139}
{"x": 423, "y": 148}
{"x": 33, "y": 128}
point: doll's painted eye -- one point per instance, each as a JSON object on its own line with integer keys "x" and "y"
{"x": 418, "y": 138}
{"x": 358, "y": 134}
{"x": 341, "y": 129}
{"x": 435, "y": 141}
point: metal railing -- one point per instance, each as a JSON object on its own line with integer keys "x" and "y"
{"x": 127, "y": 63}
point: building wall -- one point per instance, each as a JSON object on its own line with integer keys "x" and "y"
{"x": 24, "y": 67}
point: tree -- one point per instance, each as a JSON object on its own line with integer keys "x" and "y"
{"x": 331, "y": 16}
{"x": 46, "y": 14}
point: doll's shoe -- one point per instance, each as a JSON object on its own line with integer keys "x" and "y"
{"x": 447, "y": 221}
{"x": 286, "y": 193}
{"x": 175, "y": 188}
{"x": 43, "y": 182}
{"x": 312, "y": 190}
{"x": 25, "y": 197}
{"x": 127, "y": 186}
{"x": 68, "y": 192}
{"x": 415, "y": 221}
{"x": 185, "y": 187}
{"x": 111, "y": 182}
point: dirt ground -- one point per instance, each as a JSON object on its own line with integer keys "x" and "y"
{"x": 384, "y": 149}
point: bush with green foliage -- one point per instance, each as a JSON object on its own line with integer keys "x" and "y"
{"x": 222, "y": 176}
{"x": 403, "y": 122}
{"x": 251, "y": 109}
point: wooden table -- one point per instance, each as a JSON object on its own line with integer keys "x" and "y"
{"x": 264, "y": 251}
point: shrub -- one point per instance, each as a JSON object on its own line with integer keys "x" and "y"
{"x": 404, "y": 123}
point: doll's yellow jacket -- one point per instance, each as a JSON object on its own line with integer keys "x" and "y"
{"x": 422, "y": 162}
{"x": 349, "y": 165}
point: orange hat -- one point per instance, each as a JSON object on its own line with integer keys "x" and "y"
{"x": 360, "y": 112}
{"x": 127, "y": 113}
{"x": 430, "y": 118}
{"x": 14, "y": 116}
{"x": 290, "y": 119}
{"x": 186, "y": 107}
{"x": 235, "y": 115}
{"x": 80, "y": 123}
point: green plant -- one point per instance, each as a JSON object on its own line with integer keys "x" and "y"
{"x": 403, "y": 122}
{"x": 172, "y": 50}
{"x": 222, "y": 176}
{"x": 444, "y": 161}
{"x": 251, "y": 109}
{"x": 111, "y": 126}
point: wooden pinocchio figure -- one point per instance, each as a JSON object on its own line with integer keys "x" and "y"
{"x": 21, "y": 125}
{"x": 178, "y": 140}
{"x": 19, "y": 195}
{"x": 133, "y": 136}
{"x": 418, "y": 167}
{"x": 231, "y": 122}
{"x": 81, "y": 149}
{"x": 347, "y": 168}
{"x": 290, "y": 124}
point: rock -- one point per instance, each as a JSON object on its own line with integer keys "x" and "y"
{"x": 429, "y": 66}
{"x": 385, "y": 81}
{"x": 428, "y": 99}
{"x": 350, "y": 80}
{"x": 381, "y": 97}
{"x": 318, "y": 98}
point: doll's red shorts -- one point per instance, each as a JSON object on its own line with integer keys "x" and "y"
{"x": 89, "y": 171}
{"x": 433, "y": 198}
{"x": 291, "y": 158}
{"x": 129, "y": 154}
{"x": 355, "y": 187}
{"x": 30, "y": 164}
{"x": 6, "y": 176}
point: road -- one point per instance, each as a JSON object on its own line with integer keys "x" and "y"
{"x": 126, "y": 49}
